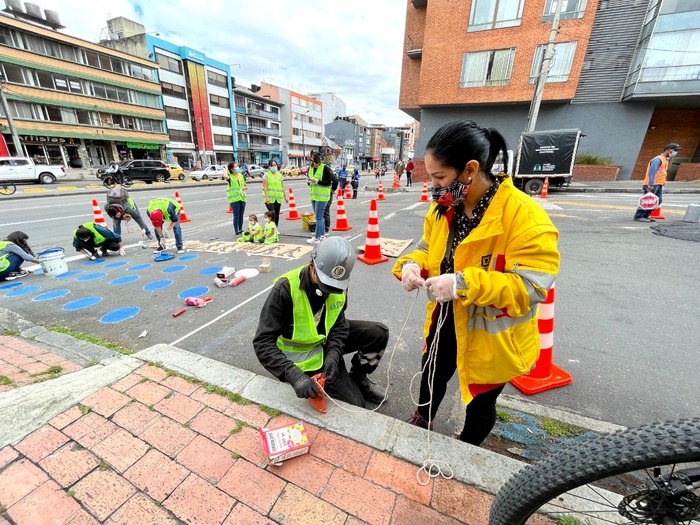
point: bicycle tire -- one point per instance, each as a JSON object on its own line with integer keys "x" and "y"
{"x": 108, "y": 182}
{"x": 7, "y": 189}
{"x": 623, "y": 452}
{"x": 127, "y": 182}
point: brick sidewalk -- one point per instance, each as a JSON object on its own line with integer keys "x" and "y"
{"x": 155, "y": 448}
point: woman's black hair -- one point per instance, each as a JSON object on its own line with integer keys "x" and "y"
{"x": 230, "y": 166}
{"x": 271, "y": 161}
{"x": 83, "y": 233}
{"x": 270, "y": 214}
{"x": 20, "y": 239}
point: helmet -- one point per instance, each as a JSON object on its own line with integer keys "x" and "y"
{"x": 156, "y": 217}
{"x": 334, "y": 259}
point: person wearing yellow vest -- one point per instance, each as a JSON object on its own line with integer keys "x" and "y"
{"x": 121, "y": 207}
{"x": 303, "y": 330}
{"x": 320, "y": 179}
{"x": 655, "y": 179}
{"x": 94, "y": 241}
{"x": 273, "y": 190}
{"x": 14, "y": 250}
{"x": 254, "y": 230}
{"x": 163, "y": 209}
{"x": 235, "y": 193}
{"x": 270, "y": 235}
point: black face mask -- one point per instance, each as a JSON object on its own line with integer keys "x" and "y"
{"x": 317, "y": 159}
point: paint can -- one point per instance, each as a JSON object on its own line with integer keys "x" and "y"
{"x": 53, "y": 261}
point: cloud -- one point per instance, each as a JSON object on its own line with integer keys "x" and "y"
{"x": 353, "y": 49}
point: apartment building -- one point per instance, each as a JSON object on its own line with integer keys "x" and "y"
{"x": 75, "y": 103}
{"x": 626, "y": 72}
{"x": 258, "y": 126}
{"x": 357, "y": 138}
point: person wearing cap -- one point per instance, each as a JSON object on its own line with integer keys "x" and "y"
{"x": 320, "y": 178}
{"x": 303, "y": 330}
{"x": 160, "y": 210}
{"x": 655, "y": 179}
{"x": 120, "y": 207}
{"x": 95, "y": 241}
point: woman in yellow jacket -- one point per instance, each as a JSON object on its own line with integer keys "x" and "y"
{"x": 487, "y": 257}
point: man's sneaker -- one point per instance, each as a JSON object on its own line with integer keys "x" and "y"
{"x": 313, "y": 240}
{"x": 16, "y": 275}
{"x": 99, "y": 252}
{"x": 180, "y": 250}
{"x": 122, "y": 252}
{"x": 419, "y": 421}
{"x": 159, "y": 249}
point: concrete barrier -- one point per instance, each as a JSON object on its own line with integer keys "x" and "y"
{"x": 692, "y": 213}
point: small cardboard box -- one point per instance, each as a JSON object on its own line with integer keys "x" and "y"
{"x": 226, "y": 272}
{"x": 281, "y": 444}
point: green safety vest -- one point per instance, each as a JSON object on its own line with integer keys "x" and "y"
{"x": 271, "y": 227}
{"x": 305, "y": 348}
{"x": 235, "y": 191}
{"x": 318, "y": 192}
{"x": 99, "y": 239}
{"x": 162, "y": 203}
{"x": 274, "y": 187}
{"x": 4, "y": 260}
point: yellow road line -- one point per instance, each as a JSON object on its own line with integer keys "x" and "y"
{"x": 34, "y": 190}
{"x": 613, "y": 207}
{"x": 64, "y": 188}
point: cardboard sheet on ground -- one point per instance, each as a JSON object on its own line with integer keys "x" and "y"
{"x": 279, "y": 250}
{"x": 392, "y": 247}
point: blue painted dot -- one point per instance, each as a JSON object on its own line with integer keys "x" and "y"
{"x": 92, "y": 276}
{"x": 93, "y": 263}
{"x": 121, "y": 314}
{"x": 188, "y": 257}
{"x": 125, "y": 280}
{"x": 23, "y": 291}
{"x": 138, "y": 267}
{"x": 85, "y": 302}
{"x": 69, "y": 274}
{"x": 39, "y": 272}
{"x": 10, "y": 285}
{"x": 118, "y": 264}
{"x": 174, "y": 269}
{"x": 210, "y": 271}
{"x": 51, "y": 295}
{"x": 157, "y": 285}
{"x": 194, "y": 292}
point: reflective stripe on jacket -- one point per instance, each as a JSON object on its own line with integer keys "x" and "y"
{"x": 235, "y": 191}
{"x": 305, "y": 348}
{"x": 162, "y": 204}
{"x": 99, "y": 238}
{"x": 319, "y": 193}
{"x": 275, "y": 193}
{"x": 509, "y": 262}
{"x": 660, "y": 175}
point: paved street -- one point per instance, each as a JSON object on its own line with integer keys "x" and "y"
{"x": 625, "y": 323}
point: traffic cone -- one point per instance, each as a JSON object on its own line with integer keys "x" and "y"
{"x": 293, "y": 213}
{"x": 348, "y": 191}
{"x": 380, "y": 195}
{"x": 373, "y": 244}
{"x": 98, "y": 218}
{"x": 656, "y": 214}
{"x": 424, "y": 193}
{"x": 341, "y": 220}
{"x": 545, "y": 374}
{"x": 545, "y": 189}
{"x": 183, "y": 215}
{"x": 319, "y": 402}
{"x": 230, "y": 209}
{"x": 397, "y": 181}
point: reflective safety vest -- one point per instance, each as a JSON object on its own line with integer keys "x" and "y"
{"x": 235, "y": 191}
{"x": 275, "y": 193}
{"x": 4, "y": 260}
{"x": 319, "y": 193}
{"x": 99, "y": 239}
{"x": 162, "y": 204}
{"x": 660, "y": 176}
{"x": 305, "y": 348}
{"x": 271, "y": 228}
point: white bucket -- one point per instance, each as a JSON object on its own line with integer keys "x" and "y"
{"x": 53, "y": 261}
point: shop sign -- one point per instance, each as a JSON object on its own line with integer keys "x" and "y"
{"x": 184, "y": 145}
{"x": 142, "y": 145}
{"x": 39, "y": 138}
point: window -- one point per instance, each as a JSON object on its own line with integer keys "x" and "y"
{"x": 221, "y": 102}
{"x": 154, "y": 126}
{"x": 61, "y": 82}
{"x": 178, "y": 135}
{"x": 119, "y": 66}
{"x": 561, "y": 62}
{"x": 169, "y": 64}
{"x": 494, "y": 14}
{"x": 6, "y": 36}
{"x": 45, "y": 79}
{"x": 83, "y": 116}
{"x": 240, "y": 101}
{"x": 487, "y": 68}
{"x": 570, "y": 9}
{"x": 20, "y": 162}
{"x": 69, "y": 116}
{"x": 13, "y": 73}
{"x": 69, "y": 53}
{"x": 220, "y": 120}
{"x": 223, "y": 140}
{"x": 173, "y": 90}
{"x": 75, "y": 85}
{"x": 216, "y": 79}
{"x": 111, "y": 92}
{"x": 35, "y": 44}
{"x": 92, "y": 58}
{"x": 177, "y": 114}
{"x": 54, "y": 114}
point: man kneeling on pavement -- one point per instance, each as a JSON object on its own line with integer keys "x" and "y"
{"x": 303, "y": 330}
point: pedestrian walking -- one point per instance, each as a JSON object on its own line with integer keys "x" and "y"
{"x": 235, "y": 193}
{"x": 273, "y": 190}
{"x": 342, "y": 177}
{"x": 409, "y": 172}
{"x": 655, "y": 179}
{"x": 355, "y": 182}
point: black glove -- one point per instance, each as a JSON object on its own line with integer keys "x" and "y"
{"x": 331, "y": 366}
{"x": 305, "y": 387}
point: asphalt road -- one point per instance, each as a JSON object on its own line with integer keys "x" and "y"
{"x": 626, "y": 305}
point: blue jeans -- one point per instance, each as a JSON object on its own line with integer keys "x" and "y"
{"x": 658, "y": 191}
{"x": 319, "y": 207}
{"x": 238, "y": 209}
{"x": 176, "y": 230}
{"x": 15, "y": 263}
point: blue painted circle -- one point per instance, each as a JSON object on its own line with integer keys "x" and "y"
{"x": 188, "y": 257}
{"x": 118, "y": 264}
{"x": 194, "y": 292}
{"x": 93, "y": 263}
{"x": 125, "y": 280}
{"x": 69, "y": 274}
{"x": 51, "y": 295}
{"x": 39, "y": 272}
{"x": 174, "y": 269}
{"x": 10, "y": 285}
{"x": 157, "y": 285}
{"x": 210, "y": 271}
{"x": 79, "y": 304}
{"x": 138, "y": 267}
{"x": 121, "y": 314}
{"x": 92, "y": 276}
{"x": 23, "y": 291}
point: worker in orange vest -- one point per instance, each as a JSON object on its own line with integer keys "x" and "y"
{"x": 655, "y": 179}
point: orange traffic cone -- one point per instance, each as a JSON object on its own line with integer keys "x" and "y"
{"x": 98, "y": 218}
{"x": 293, "y": 213}
{"x": 348, "y": 191}
{"x": 319, "y": 402}
{"x": 230, "y": 209}
{"x": 424, "y": 193}
{"x": 380, "y": 195}
{"x": 545, "y": 189}
{"x": 183, "y": 215}
{"x": 341, "y": 220}
{"x": 397, "y": 183}
{"x": 545, "y": 374}
{"x": 373, "y": 244}
{"x": 656, "y": 214}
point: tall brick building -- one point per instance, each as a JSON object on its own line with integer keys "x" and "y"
{"x": 626, "y": 72}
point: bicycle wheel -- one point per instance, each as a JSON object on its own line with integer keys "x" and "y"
{"x": 108, "y": 182}
{"x": 126, "y": 181}
{"x": 640, "y": 475}
{"x": 7, "y": 188}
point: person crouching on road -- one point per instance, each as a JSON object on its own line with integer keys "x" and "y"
{"x": 14, "y": 250}
{"x": 254, "y": 232}
{"x": 95, "y": 241}
{"x": 163, "y": 209}
{"x": 120, "y": 207}
{"x": 270, "y": 234}
{"x": 303, "y": 330}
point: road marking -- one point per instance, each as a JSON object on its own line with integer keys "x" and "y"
{"x": 47, "y": 220}
{"x": 65, "y": 188}
{"x": 613, "y": 206}
{"x": 34, "y": 190}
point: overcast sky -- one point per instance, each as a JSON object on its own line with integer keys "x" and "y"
{"x": 352, "y": 48}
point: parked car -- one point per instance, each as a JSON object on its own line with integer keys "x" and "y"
{"x": 18, "y": 169}
{"x": 176, "y": 171}
{"x": 145, "y": 170}
{"x": 304, "y": 170}
{"x": 290, "y": 171}
{"x": 213, "y": 171}
{"x": 254, "y": 170}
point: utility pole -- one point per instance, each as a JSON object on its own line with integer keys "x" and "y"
{"x": 19, "y": 149}
{"x": 545, "y": 66}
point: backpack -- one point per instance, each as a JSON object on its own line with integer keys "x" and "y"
{"x": 117, "y": 196}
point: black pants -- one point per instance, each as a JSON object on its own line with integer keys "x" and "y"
{"x": 354, "y": 190}
{"x": 409, "y": 178}
{"x": 327, "y": 213}
{"x": 109, "y": 244}
{"x": 481, "y": 412}
{"x": 274, "y": 207}
{"x": 367, "y": 342}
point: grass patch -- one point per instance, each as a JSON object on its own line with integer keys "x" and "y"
{"x": 70, "y": 493}
{"x": 239, "y": 426}
{"x": 4, "y": 380}
{"x": 169, "y": 396}
{"x": 238, "y": 399}
{"x": 570, "y": 520}
{"x": 84, "y": 409}
{"x": 143, "y": 380}
{"x": 504, "y": 415}
{"x": 272, "y": 412}
{"x": 91, "y": 363}
{"x": 116, "y": 347}
{"x": 590, "y": 158}
{"x": 235, "y": 456}
{"x": 559, "y": 429}
{"x": 11, "y": 332}
{"x": 186, "y": 425}
{"x": 52, "y": 370}
{"x": 103, "y": 465}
